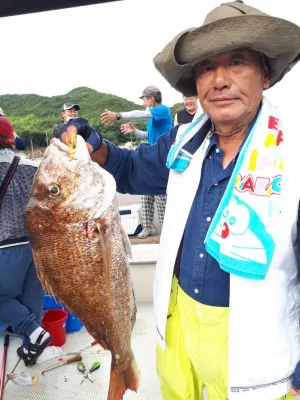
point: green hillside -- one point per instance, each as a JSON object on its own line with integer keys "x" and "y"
{"x": 34, "y": 117}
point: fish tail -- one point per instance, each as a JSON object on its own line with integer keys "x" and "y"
{"x": 121, "y": 381}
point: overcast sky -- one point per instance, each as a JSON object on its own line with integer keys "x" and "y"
{"x": 110, "y": 47}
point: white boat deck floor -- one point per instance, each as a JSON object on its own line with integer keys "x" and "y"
{"x": 64, "y": 383}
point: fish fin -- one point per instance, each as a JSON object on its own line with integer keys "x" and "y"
{"x": 48, "y": 289}
{"x": 106, "y": 246}
{"x": 101, "y": 341}
{"x": 127, "y": 246}
{"x": 103, "y": 344}
{"x": 126, "y": 243}
{"x": 120, "y": 382}
{"x": 38, "y": 270}
{"x": 133, "y": 312}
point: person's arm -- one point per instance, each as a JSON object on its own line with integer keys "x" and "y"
{"x": 140, "y": 171}
{"x": 109, "y": 117}
{"x": 130, "y": 128}
{"x": 141, "y": 134}
{"x": 80, "y": 126}
{"x": 69, "y": 135}
{"x": 136, "y": 115}
{"x": 20, "y": 143}
{"x": 57, "y": 131}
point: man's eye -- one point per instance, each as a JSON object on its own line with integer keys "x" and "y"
{"x": 203, "y": 70}
{"x": 237, "y": 62}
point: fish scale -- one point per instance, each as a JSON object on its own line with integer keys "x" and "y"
{"x": 81, "y": 252}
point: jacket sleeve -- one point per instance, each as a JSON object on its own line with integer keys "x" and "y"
{"x": 141, "y": 171}
{"x": 20, "y": 143}
{"x": 296, "y": 378}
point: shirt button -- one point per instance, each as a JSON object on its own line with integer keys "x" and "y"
{"x": 201, "y": 255}
{"x": 217, "y": 150}
{"x": 216, "y": 184}
{"x": 208, "y": 219}
{"x": 196, "y": 290}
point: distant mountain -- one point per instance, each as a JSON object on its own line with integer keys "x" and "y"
{"x": 35, "y": 116}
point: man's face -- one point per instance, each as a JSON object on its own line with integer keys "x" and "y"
{"x": 67, "y": 114}
{"x": 230, "y": 85}
{"x": 148, "y": 101}
{"x": 190, "y": 103}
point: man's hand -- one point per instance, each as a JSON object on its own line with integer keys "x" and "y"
{"x": 128, "y": 128}
{"x": 108, "y": 117}
{"x": 294, "y": 391}
{"x": 69, "y": 137}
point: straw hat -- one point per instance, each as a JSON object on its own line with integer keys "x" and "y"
{"x": 230, "y": 26}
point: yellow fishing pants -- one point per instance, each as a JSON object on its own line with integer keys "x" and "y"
{"x": 196, "y": 350}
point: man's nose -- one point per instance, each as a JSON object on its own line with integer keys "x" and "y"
{"x": 221, "y": 77}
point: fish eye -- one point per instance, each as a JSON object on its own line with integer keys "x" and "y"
{"x": 54, "y": 190}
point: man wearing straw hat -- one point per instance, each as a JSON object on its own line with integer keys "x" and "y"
{"x": 226, "y": 290}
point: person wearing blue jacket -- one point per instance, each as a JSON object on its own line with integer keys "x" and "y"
{"x": 226, "y": 290}
{"x": 159, "y": 121}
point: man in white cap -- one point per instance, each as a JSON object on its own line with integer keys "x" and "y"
{"x": 75, "y": 125}
{"x": 226, "y": 290}
{"x": 67, "y": 111}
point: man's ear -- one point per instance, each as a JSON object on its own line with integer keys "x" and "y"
{"x": 266, "y": 84}
{"x": 267, "y": 78}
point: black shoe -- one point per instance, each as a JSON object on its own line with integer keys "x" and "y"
{"x": 34, "y": 349}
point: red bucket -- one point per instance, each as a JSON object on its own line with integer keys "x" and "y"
{"x": 54, "y": 322}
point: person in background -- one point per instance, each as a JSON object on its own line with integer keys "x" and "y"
{"x": 21, "y": 293}
{"x": 20, "y": 143}
{"x": 159, "y": 121}
{"x": 187, "y": 114}
{"x": 72, "y": 125}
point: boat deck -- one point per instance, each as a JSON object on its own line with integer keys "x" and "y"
{"x": 64, "y": 383}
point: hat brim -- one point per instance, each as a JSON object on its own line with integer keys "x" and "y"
{"x": 277, "y": 38}
{"x": 76, "y": 106}
{"x": 146, "y": 95}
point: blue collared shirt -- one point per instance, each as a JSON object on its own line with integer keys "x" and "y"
{"x": 200, "y": 275}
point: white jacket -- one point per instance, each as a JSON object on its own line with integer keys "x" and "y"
{"x": 264, "y": 334}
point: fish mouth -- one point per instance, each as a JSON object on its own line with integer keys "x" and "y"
{"x": 80, "y": 152}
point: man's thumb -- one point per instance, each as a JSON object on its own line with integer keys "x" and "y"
{"x": 293, "y": 392}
